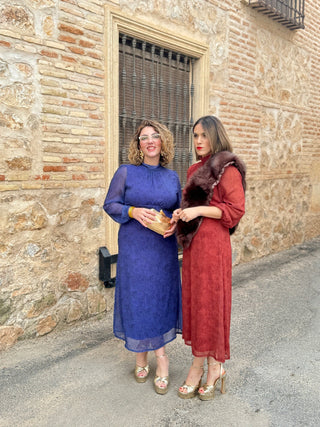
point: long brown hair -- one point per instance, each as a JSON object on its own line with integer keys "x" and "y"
{"x": 215, "y": 132}
{"x": 167, "y": 147}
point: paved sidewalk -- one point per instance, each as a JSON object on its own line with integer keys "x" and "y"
{"x": 83, "y": 376}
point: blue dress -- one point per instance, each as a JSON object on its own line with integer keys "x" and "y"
{"x": 147, "y": 308}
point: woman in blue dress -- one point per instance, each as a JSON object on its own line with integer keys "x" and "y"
{"x": 147, "y": 309}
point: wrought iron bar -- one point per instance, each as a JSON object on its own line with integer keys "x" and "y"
{"x": 134, "y": 82}
{"x": 185, "y": 91}
{"x": 156, "y": 83}
{"x": 143, "y": 80}
{"x": 153, "y": 82}
{"x": 289, "y": 13}
{"x": 191, "y": 112}
{"x": 184, "y": 120}
{"x": 161, "y": 86}
{"x": 178, "y": 90}
{"x": 124, "y": 113}
{"x": 170, "y": 90}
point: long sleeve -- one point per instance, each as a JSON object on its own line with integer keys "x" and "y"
{"x": 114, "y": 204}
{"x": 232, "y": 198}
{"x": 178, "y": 192}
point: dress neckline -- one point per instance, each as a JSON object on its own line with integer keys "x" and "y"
{"x": 150, "y": 166}
{"x": 205, "y": 159}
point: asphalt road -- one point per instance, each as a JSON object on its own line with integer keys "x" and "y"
{"x": 83, "y": 376}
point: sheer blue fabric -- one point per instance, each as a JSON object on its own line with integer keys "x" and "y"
{"x": 147, "y": 309}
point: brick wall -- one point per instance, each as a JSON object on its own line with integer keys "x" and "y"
{"x": 264, "y": 85}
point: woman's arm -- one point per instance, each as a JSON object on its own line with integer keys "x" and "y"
{"x": 175, "y": 218}
{"x": 207, "y": 211}
{"x": 232, "y": 202}
{"x": 231, "y": 207}
{"x": 114, "y": 204}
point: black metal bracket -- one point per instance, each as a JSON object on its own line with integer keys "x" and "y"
{"x": 290, "y": 15}
{"x": 105, "y": 261}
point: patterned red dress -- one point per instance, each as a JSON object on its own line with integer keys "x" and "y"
{"x": 207, "y": 272}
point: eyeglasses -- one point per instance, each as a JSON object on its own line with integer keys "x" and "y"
{"x": 153, "y": 137}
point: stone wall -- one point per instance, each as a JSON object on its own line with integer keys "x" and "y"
{"x": 52, "y": 167}
{"x": 264, "y": 85}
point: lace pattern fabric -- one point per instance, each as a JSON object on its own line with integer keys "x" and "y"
{"x": 147, "y": 310}
{"x": 206, "y": 279}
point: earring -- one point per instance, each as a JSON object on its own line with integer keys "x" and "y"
{"x": 141, "y": 155}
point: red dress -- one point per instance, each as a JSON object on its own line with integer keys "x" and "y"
{"x": 207, "y": 272}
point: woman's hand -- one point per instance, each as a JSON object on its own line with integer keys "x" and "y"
{"x": 143, "y": 215}
{"x": 172, "y": 229}
{"x": 189, "y": 214}
{"x": 176, "y": 215}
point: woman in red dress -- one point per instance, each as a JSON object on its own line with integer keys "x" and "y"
{"x": 212, "y": 205}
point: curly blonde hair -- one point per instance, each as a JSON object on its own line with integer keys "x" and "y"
{"x": 167, "y": 147}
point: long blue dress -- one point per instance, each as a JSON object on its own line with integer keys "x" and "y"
{"x": 147, "y": 309}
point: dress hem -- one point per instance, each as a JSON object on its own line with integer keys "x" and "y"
{"x": 150, "y": 348}
{"x": 208, "y": 353}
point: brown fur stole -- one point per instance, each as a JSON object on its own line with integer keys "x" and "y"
{"x": 199, "y": 191}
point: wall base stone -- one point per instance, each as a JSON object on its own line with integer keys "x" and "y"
{"x": 9, "y": 336}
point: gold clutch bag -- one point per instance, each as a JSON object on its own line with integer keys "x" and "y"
{"x": 161, "y": 222}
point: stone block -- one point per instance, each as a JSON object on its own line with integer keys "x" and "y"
{"x": 76, "y": 282}
{"x": 10, "y": 120}
{"x": 16, "y": 17}
{"x": 24, "y": 69}
{"x": 67, "y": 216}
{"x": 48, "y": 26}
{"x": 41, "y": 4}
{"x": 33, "y": 217}
{"x": 96, "y": 302}
{"x": 41, "y": 305}
{"x": 35, "y": 40}
{"x": 46, "y": 325}
{"x": 315, "y": 171}
{"x": 70, "y": 29}
{"x": 315, "y": 198}
{"x": 26, "y": 47}
{"x": 9, "y": 187}
{"x": 75, "y": 311}
{"x": 24, "y": 290}
{"x": 9, "y": 336}
{"x": 19, "y": 163}
{"x": 5, "y": 43}
{"x": 4, "y": 70}
{"x": 17, "y": 95}
{"x": 5, "y": 310}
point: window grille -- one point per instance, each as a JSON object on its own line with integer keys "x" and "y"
{"x": 156, "y": 83}
{"x": 289, "y": 13}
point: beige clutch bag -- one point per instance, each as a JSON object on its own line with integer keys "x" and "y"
{"x": 161, "y": 222}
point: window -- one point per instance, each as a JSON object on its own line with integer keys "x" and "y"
{"x": 197, "y": 69}
{"x": 156, "y": 83}
{"x": 289, "y": 13}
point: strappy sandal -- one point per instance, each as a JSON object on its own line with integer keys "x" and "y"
{"x": 208, "y": 390}
{"x": 138, "y": 370}
{"x": 158, "y": 379}
{"x": 191, "y": 390}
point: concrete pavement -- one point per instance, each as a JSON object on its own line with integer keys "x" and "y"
{"x": 83, "y": 376}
